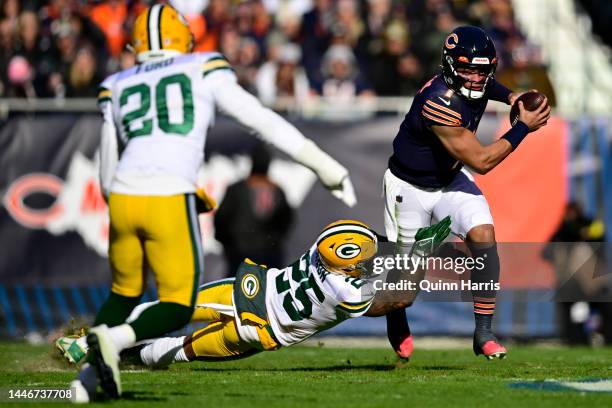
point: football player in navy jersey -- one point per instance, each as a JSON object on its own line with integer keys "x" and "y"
{"x": 426, "y": 178}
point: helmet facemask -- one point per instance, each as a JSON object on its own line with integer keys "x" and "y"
{"x": 354, "y": 270}
{"x": 459, "y": 83}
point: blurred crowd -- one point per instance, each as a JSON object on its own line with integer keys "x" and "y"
{"x": 279, "y": 48}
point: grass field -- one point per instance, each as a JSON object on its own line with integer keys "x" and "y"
{"x": 333, "y": 377}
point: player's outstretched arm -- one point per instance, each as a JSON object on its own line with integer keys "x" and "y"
{"x": 427, "y": 241}
{"x": 271, "y": 127}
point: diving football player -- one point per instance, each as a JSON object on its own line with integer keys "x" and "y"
{"x": 264, "y": 309}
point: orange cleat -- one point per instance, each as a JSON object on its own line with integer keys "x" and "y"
{"x": 491, "y": 349}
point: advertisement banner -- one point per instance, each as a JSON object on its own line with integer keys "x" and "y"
{"x": 54, "y": 221}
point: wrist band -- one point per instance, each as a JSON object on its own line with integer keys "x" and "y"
{"x": 516, "y": 135}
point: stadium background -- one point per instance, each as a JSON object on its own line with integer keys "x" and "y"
{"x": 53, "y": 223}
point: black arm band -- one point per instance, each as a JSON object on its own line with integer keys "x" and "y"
{"x": 516, "y": 134}
{"x": 499, "y": 93}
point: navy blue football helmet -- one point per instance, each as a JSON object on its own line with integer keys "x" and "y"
{"x": 468, "y": 47}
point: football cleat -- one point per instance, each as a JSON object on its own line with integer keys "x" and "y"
{"x": 160, "y": 32}
{"x": 70, "y": 349}
{"x": 105, "y": 358}
{"x": 404, "y": 348}
{"x": 489, "y": 348}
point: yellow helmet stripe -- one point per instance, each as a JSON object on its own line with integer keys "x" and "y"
{"x": 153, "y": 23}
{"x": 346, "y": 228}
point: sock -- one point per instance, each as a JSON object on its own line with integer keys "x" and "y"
{"x": 484, "y": 308}
{"x": 123, "y": 336}
{"x": 89, "y": 378}
{"x": 484, "y": 299}
{"x": 160, "y": 319}
{"x": 162, "y": 352}
{"x": 115, "y": 310}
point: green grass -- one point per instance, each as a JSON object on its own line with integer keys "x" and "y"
{"x": 326, "y": 377}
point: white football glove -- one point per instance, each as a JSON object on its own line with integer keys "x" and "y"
{"x": 332, "y": 174}
{"x": 345, "y": 192}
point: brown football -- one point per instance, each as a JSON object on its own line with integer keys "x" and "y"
{"x": 531, "y": 100}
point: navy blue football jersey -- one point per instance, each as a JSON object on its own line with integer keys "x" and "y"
{"x": 419, "y": 157}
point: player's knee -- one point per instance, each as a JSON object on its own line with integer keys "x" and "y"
{"x": 482, "y": 234}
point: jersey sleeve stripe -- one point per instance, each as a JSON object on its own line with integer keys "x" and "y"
{"x": 214, "y": 65}
{"x": 444, "y": 109}
{"x": 104, "y": 95}
{"x": 354, "y": 307}
{"x": 437, "y": 113}
{"x": 441, "y": 121}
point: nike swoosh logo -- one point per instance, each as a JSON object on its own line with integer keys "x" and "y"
{"x": 447, "y": 103}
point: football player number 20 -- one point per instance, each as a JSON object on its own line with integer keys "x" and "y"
{"x": 133, "y": 118}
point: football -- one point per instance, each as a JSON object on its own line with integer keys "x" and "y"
{"x": 531, "y": 100}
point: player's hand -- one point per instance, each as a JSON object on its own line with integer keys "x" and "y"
{"x": 428, "y": 239}
{"x": 344, "y": 191}
{"x": 537, "y": 118}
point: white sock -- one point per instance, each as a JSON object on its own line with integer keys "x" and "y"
{"x": 123, "y": 336}
{"x": 163, "y": 352}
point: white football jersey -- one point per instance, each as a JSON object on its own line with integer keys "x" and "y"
{"x": 161, "y": 111}
{"x": 305, "y": 298}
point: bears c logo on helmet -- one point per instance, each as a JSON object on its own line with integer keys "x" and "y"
{"x": 348, "y": 251}
{"x": 448, "y": 43}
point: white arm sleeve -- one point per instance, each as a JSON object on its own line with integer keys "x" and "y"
{"x": 109, "y": 151}
{"x": 233, "y": 100}
{"x": 271, "y": 127}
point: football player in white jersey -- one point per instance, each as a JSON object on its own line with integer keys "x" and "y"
{"x": 265, "y": 309}
{"x": 156, "y": 117}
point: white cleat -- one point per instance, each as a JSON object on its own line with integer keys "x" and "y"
{"x": 106, "y": 360}
{"x": 70, "y": 349}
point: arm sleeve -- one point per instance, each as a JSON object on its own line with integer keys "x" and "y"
{"x": 272, "y": 128}
{"x": 357, "y": 298}
{"x": 233, "y": 100}
{"x": 109, "y": 150}
{"x": 499, "y": 93}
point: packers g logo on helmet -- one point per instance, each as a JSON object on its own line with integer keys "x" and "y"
{"x": 160, "y": 32}
{"x": 345, "y": 245}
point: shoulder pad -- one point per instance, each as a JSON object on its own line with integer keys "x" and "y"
{"x": 443, "y": 108}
